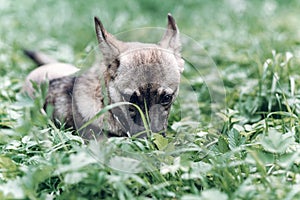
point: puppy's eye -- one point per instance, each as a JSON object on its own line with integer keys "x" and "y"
{"x": 166, "y": 100}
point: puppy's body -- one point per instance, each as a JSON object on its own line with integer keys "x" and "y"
{"x": 147, "y": 75}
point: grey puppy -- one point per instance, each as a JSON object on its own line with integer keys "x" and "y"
{"x": 147, "y": 75}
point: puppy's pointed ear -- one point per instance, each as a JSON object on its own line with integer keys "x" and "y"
{"x": 171, "y": 38}
{"x": 109, "y": 45}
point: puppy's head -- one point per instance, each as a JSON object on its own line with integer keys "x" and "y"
{"x": 146, "y": 75}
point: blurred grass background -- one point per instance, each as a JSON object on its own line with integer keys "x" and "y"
{"x": 230, "y": 30}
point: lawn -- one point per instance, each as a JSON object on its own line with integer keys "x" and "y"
{"x": 234, "y": 131}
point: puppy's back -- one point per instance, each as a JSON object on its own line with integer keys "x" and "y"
{"x": 47, "y": 72}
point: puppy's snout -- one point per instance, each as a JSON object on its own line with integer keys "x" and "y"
{"x": 158, "y": 118}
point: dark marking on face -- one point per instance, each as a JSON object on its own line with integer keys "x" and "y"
{"x": 152, "y": 101}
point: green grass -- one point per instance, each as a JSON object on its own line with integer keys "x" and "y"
{"x": 234, "y": 130}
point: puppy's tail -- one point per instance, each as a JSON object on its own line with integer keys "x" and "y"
{"x": 38, "y": 57}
